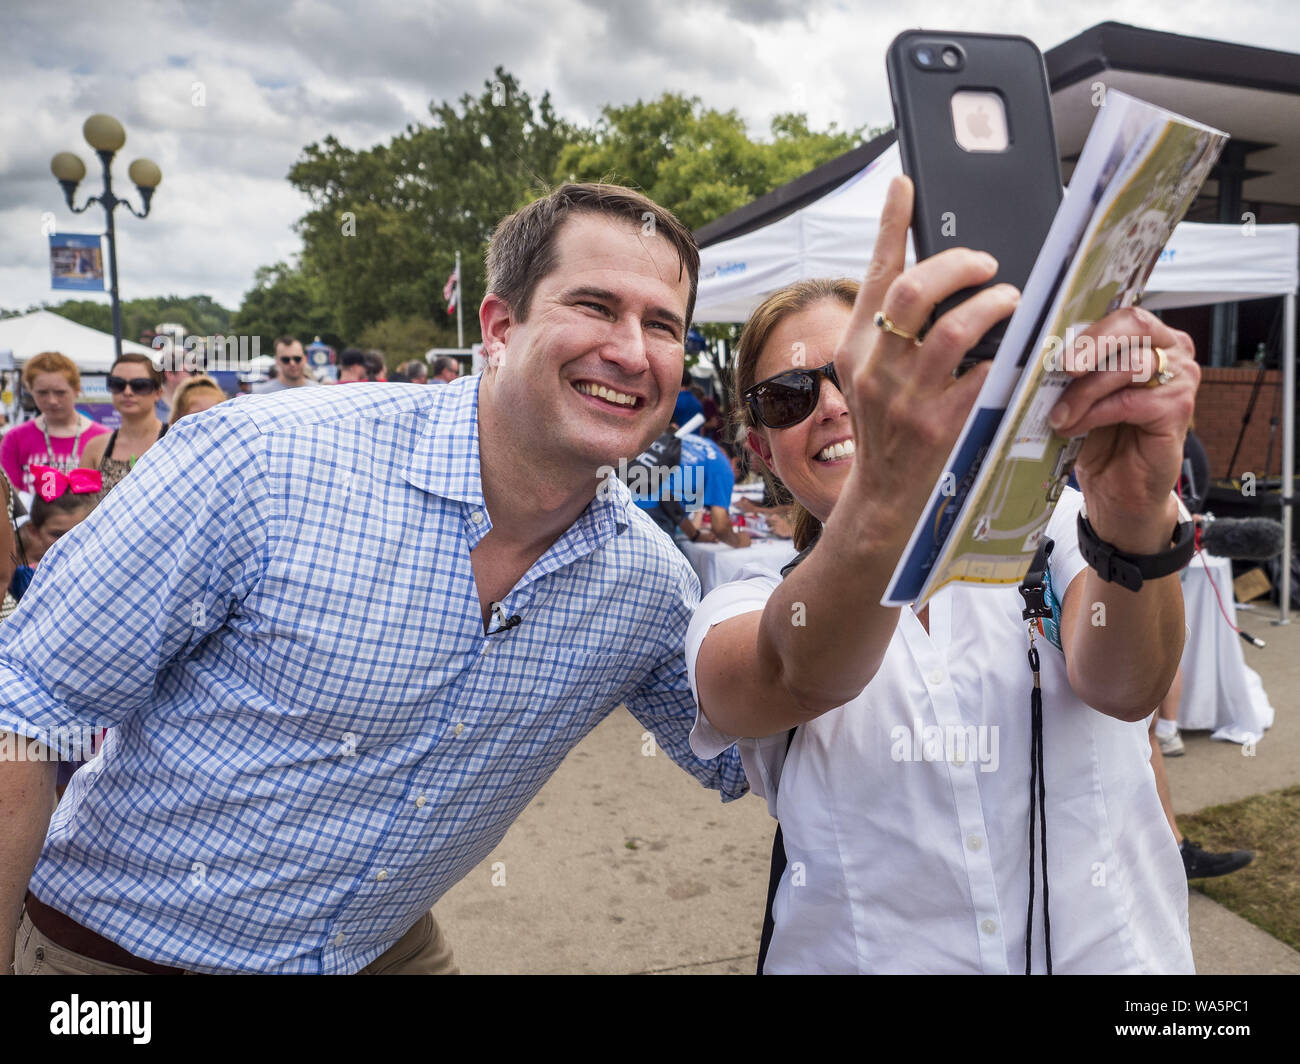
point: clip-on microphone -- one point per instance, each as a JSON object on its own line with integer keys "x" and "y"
{"x": 504, "y": 623}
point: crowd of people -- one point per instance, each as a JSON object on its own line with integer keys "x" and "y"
{"x": 290, "y": 369}
{"x": 343, "y": 636}
{"x": 147, "y": 400}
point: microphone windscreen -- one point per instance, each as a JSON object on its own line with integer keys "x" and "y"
{"x": 1255, "y": 539}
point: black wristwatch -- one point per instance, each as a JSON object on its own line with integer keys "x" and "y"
{"x": 1129, "y": 570}
{"x": 695, "y": 535}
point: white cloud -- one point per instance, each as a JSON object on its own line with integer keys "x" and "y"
{"x": 277, "y": 78}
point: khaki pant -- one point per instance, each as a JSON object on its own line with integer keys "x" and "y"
{"x": 423, "y": 950}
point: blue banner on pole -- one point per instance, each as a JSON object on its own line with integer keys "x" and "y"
{"x": 76, "y": 262}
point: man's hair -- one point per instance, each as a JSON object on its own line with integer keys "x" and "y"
{"x": 51, "y": 362}
{"x": 374, "y": 362}
{"x": 522, "y": 251}
{"x": 284, "y": 341}
{"x": 352, "y": 356}
{"x": 414, "y": 370}
{"x": 443, "y": 363}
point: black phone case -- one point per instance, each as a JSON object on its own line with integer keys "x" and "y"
{"x": 999, "y": 202}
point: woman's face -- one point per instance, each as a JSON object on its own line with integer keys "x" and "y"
{"x": 54, "y": 396}
{"x": 129, "y": 403}
{"x": 797, "y": 454}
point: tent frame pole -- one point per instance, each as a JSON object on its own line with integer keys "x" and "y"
{"x": 1288, "y": 453}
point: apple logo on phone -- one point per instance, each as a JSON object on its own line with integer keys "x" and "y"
{"x": 979, "y": 121}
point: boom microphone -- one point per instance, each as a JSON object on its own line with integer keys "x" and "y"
{"x": 1254, "y": 539}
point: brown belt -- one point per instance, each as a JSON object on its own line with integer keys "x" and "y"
{"x": 66, "y": 932}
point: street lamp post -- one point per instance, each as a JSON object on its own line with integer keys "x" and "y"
{"x": 105, "y": 134}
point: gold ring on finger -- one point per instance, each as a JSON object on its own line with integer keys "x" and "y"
{"x": 1163, "y": 374}
{"x": 882, "y": 321}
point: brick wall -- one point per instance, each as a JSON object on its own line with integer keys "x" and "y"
{"x": 1220, "y": 405}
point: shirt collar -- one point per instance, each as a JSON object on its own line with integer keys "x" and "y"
{"x": 445, "y": 462}
{"x": 445, "y": 459}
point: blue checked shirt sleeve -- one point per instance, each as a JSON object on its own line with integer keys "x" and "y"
{"x": 157, "y": 567}
{"x": 665, "y": 705}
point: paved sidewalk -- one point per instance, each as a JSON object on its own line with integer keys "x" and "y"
{"x": 624, "y": 864}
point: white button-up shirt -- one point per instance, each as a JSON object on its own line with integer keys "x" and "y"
{"x": 905, "y": 812}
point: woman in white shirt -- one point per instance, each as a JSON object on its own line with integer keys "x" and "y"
{"x": 903, "y": 795}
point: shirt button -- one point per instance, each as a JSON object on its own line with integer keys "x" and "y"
{"x": 477, "y": 517}
{"x": 458, "y": 729}
{"x": 988, "y": 927}
{"x": 973, "y": 843}
{"x": 381, "y": 875}
{"x": 958, "y": 760}
{"x": 338, "y": 940}
{"x": 421, "y": 802}
{"x": 935, "y": 676}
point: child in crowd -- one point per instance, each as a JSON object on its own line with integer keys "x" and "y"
{"x": 195, "y": 395}
{"x": 50, "y": 519}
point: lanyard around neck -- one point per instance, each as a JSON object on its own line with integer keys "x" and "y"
{"x": 49, "y": 446}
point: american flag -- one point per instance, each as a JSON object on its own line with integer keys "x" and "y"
{"x": 451, "y": 291}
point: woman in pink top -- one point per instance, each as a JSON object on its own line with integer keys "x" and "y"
{"x": 59, "y": 435}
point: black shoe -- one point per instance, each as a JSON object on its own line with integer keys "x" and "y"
{"x": 1201, "y": 865}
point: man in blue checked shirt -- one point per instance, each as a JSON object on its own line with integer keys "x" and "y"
{"x": 341, "y": 637}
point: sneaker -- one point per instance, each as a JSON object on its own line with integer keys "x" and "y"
{"x": 1171, "y": 746}
{"x": 1202, "y": 865}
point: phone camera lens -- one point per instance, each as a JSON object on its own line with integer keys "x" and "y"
{"x": 924, "y": 56}
{"x": 951, "y": 58}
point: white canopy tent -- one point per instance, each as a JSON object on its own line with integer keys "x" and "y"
{"x": 834, "y": 235}
{"x": 43, "y": 330}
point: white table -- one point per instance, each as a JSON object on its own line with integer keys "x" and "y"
{"x": 1221, "y": 693}
{"x": 717, "y": 564}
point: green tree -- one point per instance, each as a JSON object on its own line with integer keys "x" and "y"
{"x": 87, "y": 312}
{"x": 285, "y": 301}
{"x": 401, "y": 339}
{"x": 201, "y": 315}
{"x": 698, "y": 162}
{"x": 386, "y": 223}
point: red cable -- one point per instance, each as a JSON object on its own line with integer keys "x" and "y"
{"x": 1216, "y": 592}
{"x": 1201, "y": 554}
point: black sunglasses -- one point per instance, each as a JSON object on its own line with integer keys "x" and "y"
{"x": 789, "y": 397}
{"x": 285, "y": 360}
{"x": 138, "y": 385}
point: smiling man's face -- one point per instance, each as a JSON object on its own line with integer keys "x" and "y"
{"x": 592, "y": 375}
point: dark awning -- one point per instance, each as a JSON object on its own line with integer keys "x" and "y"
{"x": 1253, "y": 94}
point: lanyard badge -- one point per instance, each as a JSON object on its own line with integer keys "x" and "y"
{"x": 1034, "y": 589}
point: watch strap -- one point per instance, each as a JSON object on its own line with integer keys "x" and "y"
{"x": 1130, "y": 570}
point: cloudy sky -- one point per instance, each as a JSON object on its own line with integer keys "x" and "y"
{"x": 276, "y": 76}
